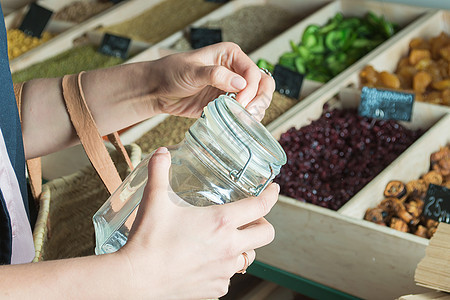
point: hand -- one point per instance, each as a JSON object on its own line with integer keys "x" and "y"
{"x": 187, "y": 252}
{"x": 188, "y": 81}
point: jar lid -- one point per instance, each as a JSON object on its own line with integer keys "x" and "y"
{"x": 256, "y": 155}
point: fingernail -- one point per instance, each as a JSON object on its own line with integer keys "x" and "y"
{"x": 238, "y": 82}
{"x": 161, "y": 150}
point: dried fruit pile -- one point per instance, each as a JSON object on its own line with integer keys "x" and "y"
{"x": 331, "y": 159}
{"x": 426, "y": 71}
{"x": 325, "y": 51}
{"x": 403, "y": 206}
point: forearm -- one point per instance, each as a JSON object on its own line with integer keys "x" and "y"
{"x": 117, "y": 97}
{"x": 96, "y": 277}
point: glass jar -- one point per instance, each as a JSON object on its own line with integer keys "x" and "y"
{"x": 226, "y": 155}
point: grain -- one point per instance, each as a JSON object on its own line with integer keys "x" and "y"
{"x": 19, "y": 42}
{"x": 78, "y": 59}
{"x": 79, "y": 11}
{"x": 162, "y": 20}
{"x": 249, "y": 27}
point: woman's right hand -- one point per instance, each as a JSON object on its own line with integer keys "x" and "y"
{"x": 187, "y": 252}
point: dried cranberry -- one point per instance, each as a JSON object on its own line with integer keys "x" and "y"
{"x": 332, "y": 158}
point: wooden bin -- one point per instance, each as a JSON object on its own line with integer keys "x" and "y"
{"x": 400, "y": 14}
{"x": 406, "y": 16}
{"x": 120, "y": 12}
{"x": 347, "y": 253}
{"x": 299, "y": 8}
{"x": 14, "y": 19}
{"x": 387, "y": 60}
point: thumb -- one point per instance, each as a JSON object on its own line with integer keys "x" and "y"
{"x": 158, "y": 171}
{"x": 157, "y": 185}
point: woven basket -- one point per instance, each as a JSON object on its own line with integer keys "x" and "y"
{"x": 64, "y": 225}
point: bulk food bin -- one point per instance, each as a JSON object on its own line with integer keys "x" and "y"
{"x": 120, "y": 12}
{"x": 387, "y": 60}
{"x": 58, "y": 21}
{"x": 229, "y": 18}
{"x": 404, "y": 16}
{"x": 339, "y": 249}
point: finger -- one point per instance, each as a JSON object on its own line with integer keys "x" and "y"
{"x": 220, "y": 77}
{"x": 250, "y": 209}
{"x": 158, "y": 170}
{"x": 255, "y": 236}
{"x": 233, "y": 58}
{"x": 256, "y": 222}
{"x": 243, "y": 261}
{"x": 261, "y": 102}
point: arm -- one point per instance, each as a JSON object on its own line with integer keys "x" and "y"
{"x": 191, "y": 258}
{"x": 180, "y": 84}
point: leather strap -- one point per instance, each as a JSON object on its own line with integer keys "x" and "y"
{"x": 114, "y": 138}
{"x": 33, "y": 165}
{"x": 86, "y": 130}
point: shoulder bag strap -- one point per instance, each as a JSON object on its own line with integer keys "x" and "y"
{"x": 87, "y": 131}
{"x": 34, "y": 164}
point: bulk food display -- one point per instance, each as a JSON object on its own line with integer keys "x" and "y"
{"x": 349, "y": 215}
{"x": 325, "y": 51}
{"x": 331, "y": 159}
{"x": 79, "y": 11}
{"x": 425, "y": 71}
{"x": 81, "y": 58}
{"x": 19, "y": 42}
{"x": 404, "y": 203}
{"x": 162, "y": 20}
{"x": 68, "y": 11}
{"x": 249, "y": 27}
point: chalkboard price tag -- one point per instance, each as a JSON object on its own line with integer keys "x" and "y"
{"x": 114, "y": 45}
{"x": 201, "y": 37}
{"x": 437, "y": 203}
{"x": 217, "y": 1}
{"x": 386, "y": 104}
{"x": 115, "y": 1}
{"x": 35, "y": 20}
{"x": 287, "y": 82}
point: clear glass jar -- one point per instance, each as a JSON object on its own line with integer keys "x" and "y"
{"x": 225, "y": 156}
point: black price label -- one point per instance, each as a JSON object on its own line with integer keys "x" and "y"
{"x": 115, "y": 1}
{"x": 217, "y": 1}
{"x": 386, "y": 104}
{"x": 201, "y": 37}
{"x": 287, "y": 82}
{"x": 35, "y": 20}
{"x": 114, "y": 45}
{"x": 437, "y": 203}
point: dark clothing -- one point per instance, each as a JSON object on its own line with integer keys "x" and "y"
{"x": 12, "y": 134}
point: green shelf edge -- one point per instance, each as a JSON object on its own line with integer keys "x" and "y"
{"x": 296, "y": 283}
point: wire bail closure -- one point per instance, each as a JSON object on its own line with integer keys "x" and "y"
{"x": 234, "y": 174}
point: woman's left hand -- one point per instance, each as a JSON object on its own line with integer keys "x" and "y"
{"x": 188, "y": 81}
